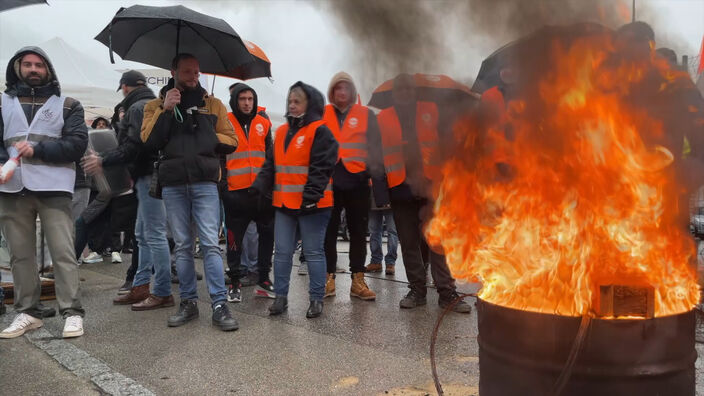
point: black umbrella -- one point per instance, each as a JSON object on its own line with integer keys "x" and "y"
{"x": 154, "y": 35}
{"x": 436, "y": 88}
{"x": 9, "y": 4}
{"x": 534, "y": 46}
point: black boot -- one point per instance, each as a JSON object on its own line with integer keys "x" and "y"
{"x": 279, "y": 306}
{"x": 2, "y": 308}
{"x": 223, "y": 319}
{"x": 314, "y": 309}
{"x": 187, "y": 311}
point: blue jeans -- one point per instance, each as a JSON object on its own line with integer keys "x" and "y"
{"x": 376, "y": 229}
{"x": 313, "y": 228}
{"x": 200, "y": 203}
{"x": 150, "y": 233}
{"x": 250, "y": 247}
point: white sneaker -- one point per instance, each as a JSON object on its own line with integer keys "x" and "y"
{"x": 73, "y": 327}
{"x": 92, "y": 258}
{"x": 20, "y": 325}
{"x": 303, "y": 268}
{"x": 116, "y": 258}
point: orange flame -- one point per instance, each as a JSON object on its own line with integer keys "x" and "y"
{"x": 574, "y": 200}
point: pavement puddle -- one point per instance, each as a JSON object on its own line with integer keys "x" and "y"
{"x": 429, "y": 390}
{"x": 345, "y": 382}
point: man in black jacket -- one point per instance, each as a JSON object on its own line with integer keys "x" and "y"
{"x": 191, "y": 129}
{"x": 241, "y": 206}
{"x": 45, "y": 133}
{"x": 150, "y": 229}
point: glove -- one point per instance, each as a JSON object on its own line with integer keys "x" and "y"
{"x": 308, "y": 207}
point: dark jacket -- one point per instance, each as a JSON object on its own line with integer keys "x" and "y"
{"x": 245, "y": 121}
{"x": 130, "y": 149}
{"x": 190, "y": 150}
{"x": 323, "y": 153}
{"x": 74, "y": 134}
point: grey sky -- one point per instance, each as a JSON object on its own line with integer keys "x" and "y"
{"x": 302, "y": 41}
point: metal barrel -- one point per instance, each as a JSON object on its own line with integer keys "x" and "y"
{"x": 523, "y": 353}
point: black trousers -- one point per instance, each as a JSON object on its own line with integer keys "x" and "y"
{"x": 240, "y": 209}
{"x": 356, "y": 204}
{"x": 409, "y": 216}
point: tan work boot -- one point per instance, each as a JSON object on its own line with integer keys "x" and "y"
{"x": 330, "y": 286}
{"x": 136, "y": 294}
{"x": 359, "y": 287}
{"x": 373, "y": 267}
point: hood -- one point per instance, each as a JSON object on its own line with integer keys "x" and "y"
{"x": 238, "y": 88}
{"x": 316, "y": 105}
{"x": 95, "y": 122}
{"x": 12, "y": 78}
{"x": 342, "y": 76}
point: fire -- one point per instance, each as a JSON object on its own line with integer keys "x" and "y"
{"x": 574, "y": 199}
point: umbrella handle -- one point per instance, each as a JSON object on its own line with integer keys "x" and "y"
{"x": 112, "y": 59}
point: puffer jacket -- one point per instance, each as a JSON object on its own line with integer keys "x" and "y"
{"x": 191, "y": 149}
{"x": 130, "y": 149}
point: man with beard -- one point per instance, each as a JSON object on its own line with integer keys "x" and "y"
{"x": 192, "y": 131}
{"x": 45, "y": 134}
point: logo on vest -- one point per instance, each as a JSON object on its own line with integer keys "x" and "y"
{"x": 46, "y": 115}
{"x": 260, "y": 129}
{"x": 426, "y": 118}
{"x": 299, "y": 141}
{"x": 353, "y": 122}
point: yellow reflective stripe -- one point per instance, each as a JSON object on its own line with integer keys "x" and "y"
{"x": 292, "y": 169}
{"x": 393, "y": 149}
{"x": 246, "y": 154}
{"x": 359, "y": 146}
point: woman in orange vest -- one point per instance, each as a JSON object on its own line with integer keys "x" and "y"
{"x": 300, "y": 172}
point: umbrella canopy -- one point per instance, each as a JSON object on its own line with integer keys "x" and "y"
{"x": 260, "y": 67}
{"x": 154, "y": 35}
{"x": 9, "y": 4}
{"x": 532, "y": 46}
{"x": 436, "y": 88}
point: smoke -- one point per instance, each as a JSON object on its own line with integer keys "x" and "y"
{"x": 452, "y": 36}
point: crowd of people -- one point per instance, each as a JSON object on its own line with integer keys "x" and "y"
{"x": 191, "y": 164}
{"x": 184, "y": 169}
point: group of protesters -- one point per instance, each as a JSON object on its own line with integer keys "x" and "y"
{"x": 187, "y": 157}
{"x": 191, "y": 165}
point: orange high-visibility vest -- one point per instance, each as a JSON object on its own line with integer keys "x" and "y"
{"x": 393, "y": 144}
{"x": 352, "y": 137}
{"x": 291, "y": 167}
{"x": 244, "y": 164}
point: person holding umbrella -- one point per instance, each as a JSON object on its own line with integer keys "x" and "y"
{"x": 410, "y": 140}
{"x": 45, "y": 134}
{"x": 300, "y": 172}
{"x": 191, "y": 129}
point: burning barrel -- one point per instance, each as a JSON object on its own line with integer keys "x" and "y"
{"x": 523, "y": 353}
